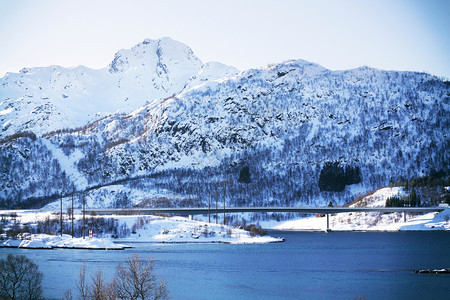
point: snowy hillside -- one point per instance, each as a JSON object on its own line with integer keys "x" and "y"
{"x": 50, "y": 98}
{"x": 284, "y": 122}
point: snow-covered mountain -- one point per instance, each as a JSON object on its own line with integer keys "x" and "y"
{"x": 285, "y": 122}
{"x": 50, "y": 98}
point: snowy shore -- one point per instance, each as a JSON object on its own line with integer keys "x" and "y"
{"x": 46, "y": 241}
{"x": 373, "y": 222}
{"x": 182, "y": 230}
{"x": 157, "y": 229}
{"x": 149, "y": 229}
{"x": 357, "y": 221}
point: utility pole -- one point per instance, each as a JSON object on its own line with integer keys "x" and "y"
{"x": 84, "y": 215}
{"x": 217, "y": 216}
{"x": 209, "y": 207}
{"x": 60, "y": 215}
{"x": 72, "y": 214}
{"x": 224, "y": 205}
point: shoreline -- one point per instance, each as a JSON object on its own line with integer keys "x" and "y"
{"x": 354, "y": 230}
{"x": 128, "y": 244}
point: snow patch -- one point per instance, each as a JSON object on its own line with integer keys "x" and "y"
{"x": 46, "y": 241}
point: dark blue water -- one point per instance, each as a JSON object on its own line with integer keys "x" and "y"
{"x": 309, "y": 265}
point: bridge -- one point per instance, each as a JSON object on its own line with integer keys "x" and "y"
{"x": 231, "y": 210}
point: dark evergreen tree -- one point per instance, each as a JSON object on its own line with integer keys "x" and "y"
{"x": 414, "y": 199}
{"x": 244, "y": 175}
{"x": 394, "y": 202}
{"x": 352, "y": 175}
{"x": 332, "y": 177}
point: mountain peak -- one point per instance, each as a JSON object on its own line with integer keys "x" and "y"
{"x": 165, "y": 38}
{"x": 151, "y": 53}
{"x": 42, "y": 99}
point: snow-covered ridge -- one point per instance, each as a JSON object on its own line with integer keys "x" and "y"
{"x": 44, "y": 99}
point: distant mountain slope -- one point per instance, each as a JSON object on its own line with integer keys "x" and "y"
{"x": 323, "y": 115}
{"x": 51, "y": 98}
{"x": 284, "y": 122}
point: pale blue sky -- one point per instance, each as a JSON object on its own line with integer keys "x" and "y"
{"x": 386, "y": 34}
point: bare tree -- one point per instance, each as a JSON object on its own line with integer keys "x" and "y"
{"x": 136, "y": 280}
{"x": 19, "y": 278}
{"x": 68, "y": 295}
{"x": 81, "y": 283}
{"x": 101, "y": 290}
{"x": 98, "y": 287}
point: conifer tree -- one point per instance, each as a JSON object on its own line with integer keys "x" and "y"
{"x": 244, "y": 175}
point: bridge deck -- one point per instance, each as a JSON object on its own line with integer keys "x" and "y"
{"x": 311, "y": 210}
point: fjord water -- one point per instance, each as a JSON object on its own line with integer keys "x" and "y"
{"x": 309, "y": 265}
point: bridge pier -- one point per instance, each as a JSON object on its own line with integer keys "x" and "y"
{"x": 404, "y": 217}
{"x": 190, "y": 217}
{"x": 328, "y": 222}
